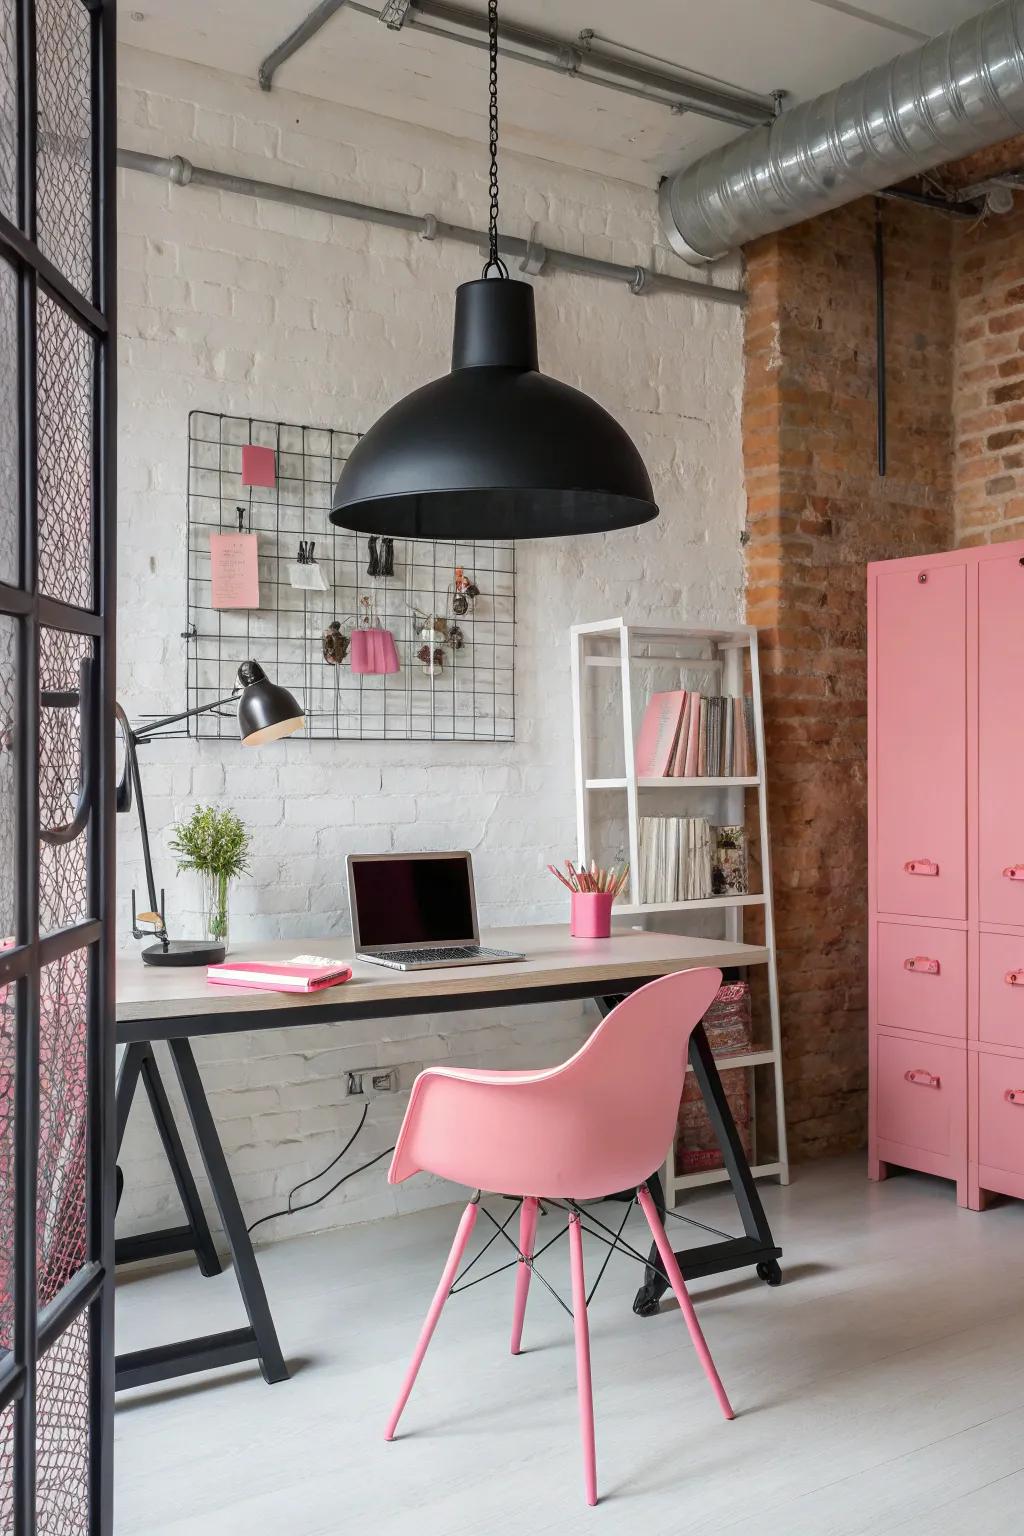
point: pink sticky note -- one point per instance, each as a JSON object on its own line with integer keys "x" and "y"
{"x": 234, "y": 570}
{"x": 258, "y": 465}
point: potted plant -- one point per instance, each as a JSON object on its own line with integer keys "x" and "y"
{"x": 216, "y": 845}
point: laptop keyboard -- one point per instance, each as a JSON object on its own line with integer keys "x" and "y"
{"x": 399, "y": 957}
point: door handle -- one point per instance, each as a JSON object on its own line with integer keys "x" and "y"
{"x": 1014, "y": 978}
{"x": 1014, "y": 872}
{"x": 924, "y": 867}
{"x": 1015, "y": 1096}
{"x": 86, "y": 701}
{"x": 922, "y": 963}
{"x": 922, "y": 1079}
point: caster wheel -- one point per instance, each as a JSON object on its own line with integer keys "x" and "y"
{"x": 646, "y": 1303}
{"x": 770, "y": 1273}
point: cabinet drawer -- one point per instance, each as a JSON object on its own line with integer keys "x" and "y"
{"x": 1001, "y": 1112}
{"x": 922, "y": 979}
{"x": 921, "y": 1095}
{"x": 1001, "y": 1014}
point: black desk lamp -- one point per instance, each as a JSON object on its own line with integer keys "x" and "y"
{"x": 266, "y": 712}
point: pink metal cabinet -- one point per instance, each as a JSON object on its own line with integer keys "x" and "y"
{"x": 1001, "y": 740}
{"x": 946, "y": 829}
{"x": 921, "y": 729}
{"x": 921, "y": 976}
{"x": 1001, "y": 991}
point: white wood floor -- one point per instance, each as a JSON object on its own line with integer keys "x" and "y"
{"x": 880, "y": 1390}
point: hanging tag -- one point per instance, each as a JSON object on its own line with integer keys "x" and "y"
{"x": 234, "y": 568}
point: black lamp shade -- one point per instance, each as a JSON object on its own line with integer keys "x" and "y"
{"x": 495, "y": 449}
{"x": 266, "y": 711}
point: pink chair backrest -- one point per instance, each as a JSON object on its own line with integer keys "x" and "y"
{"x": 600, "y": 1122}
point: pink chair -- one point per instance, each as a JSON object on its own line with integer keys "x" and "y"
{"x": 599, "y": 1123}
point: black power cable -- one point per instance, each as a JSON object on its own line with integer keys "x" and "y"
{"x": 293, "y": 1210}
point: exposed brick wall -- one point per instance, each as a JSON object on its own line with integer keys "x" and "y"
{"x": 988, "y": 394}
{"x": 817, "y": 511}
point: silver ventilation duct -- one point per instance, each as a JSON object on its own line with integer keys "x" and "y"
{"x": 956, "y": 94}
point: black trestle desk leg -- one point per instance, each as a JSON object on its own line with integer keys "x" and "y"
{"x": 139, "y": 1064}
{"x": 756, "y": 1249}
{"x": 250, "y": 1281}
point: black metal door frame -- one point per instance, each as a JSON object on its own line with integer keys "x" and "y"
{"x": 32, "y": 607}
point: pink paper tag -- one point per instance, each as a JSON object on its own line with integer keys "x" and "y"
{"x": 258, "y": 465}
{"x": 234, "y": 570}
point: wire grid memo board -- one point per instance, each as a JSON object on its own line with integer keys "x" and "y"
{"x": 467, "y": 696}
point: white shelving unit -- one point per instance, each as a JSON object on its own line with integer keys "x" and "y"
{"x": 630, "y": 651}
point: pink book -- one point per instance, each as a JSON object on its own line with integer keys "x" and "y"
{"x": 678, "y": 768}
{"x": 693, "y": 738}
{"x": 659, "y": 732}
{"x": 282, "y": 976}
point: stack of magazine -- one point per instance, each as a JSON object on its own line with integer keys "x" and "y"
{"x": 685, "y": 858}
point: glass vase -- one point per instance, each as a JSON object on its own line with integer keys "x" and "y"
{"x": 216, "y": 895}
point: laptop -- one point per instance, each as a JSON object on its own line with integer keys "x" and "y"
{"x": 416, "y": 911}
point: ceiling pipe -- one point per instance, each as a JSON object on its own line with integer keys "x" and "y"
{"x": 959, "y": 93}
{"x": 533, "y": 257}
{"x": 583, "y": 60}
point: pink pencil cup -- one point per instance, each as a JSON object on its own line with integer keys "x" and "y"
{"x": 591, "y": 916}
{"x": 374, "y": 650}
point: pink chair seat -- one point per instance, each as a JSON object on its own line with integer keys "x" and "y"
{"x": 598, "y": 1123}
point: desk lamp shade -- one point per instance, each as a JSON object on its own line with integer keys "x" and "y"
{"x": 266, "y": 711}
{"x": 494, "y": 449}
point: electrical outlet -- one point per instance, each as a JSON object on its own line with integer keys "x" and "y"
{"x": 371, "y": 1081}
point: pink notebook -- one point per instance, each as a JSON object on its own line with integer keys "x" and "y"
{"x": 284, "y": 976}
{"x": 656, "y": 745}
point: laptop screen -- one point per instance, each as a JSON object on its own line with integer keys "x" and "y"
{"x": 412, "y": 901}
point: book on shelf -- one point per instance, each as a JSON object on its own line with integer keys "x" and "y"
{"x": 659, "y": 732}
{"x": 685, "y": 858}
{"x": 695, "y": 735}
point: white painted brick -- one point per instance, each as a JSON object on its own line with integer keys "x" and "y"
{"x": 251, "y": 307}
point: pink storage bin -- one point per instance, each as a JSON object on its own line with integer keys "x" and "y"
{"x": 374, "y": 650}
{"x": 591, "y": 915}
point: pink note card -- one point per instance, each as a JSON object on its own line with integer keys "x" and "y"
{"x": 234, "y": 570}
{"x": 258, "y": 465}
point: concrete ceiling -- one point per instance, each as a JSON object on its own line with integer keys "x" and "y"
{"x": 801, "y": 46}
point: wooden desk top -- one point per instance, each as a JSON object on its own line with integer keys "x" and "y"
{"x": 553, "y": 960}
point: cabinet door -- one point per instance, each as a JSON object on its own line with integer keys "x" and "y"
{"x": 922, "y": 979}
{"x": 921, "y": 740}
{"x": 1001, "y": 740}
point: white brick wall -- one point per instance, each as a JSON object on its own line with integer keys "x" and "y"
{"x": 229, "y": 304}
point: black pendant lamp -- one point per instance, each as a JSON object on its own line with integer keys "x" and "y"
{"x": 495, "y": 449}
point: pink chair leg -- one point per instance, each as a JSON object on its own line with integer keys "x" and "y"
{"x": 462, "y": 1237}
{"x": 671, "y": 1268}
{"x": 527, "y": 1233}
{"x": 583, "y": 1386}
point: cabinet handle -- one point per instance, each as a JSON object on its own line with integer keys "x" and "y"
{"x": 1014, "y": 978}
{"x": 922, "y": 963}
{"x": 1015, "y": 1096}
{"x": 926, "y": 867}
{"x": 1014, "y": 872}
{"x": 922, "y": 1079}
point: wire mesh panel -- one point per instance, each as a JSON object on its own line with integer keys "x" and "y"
{"x": 8, "y": 107}
{"x": 63, "y": 867}
{"x": 60, "y": 1193}
{"x": 63, "y": 1433}
{"x": 448, "y": 606}
{"x": 8, "y": 417}
{"x": 64, "y": 455}
{"x": 64, "y": 200}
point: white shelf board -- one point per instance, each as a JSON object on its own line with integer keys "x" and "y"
{"x": 725, "y": 1062}
{"x": 702, "y": 904}
{"x": 715, "y": 1176}
{"x": 708, "y": 782}
{"x": 708, "y": 663}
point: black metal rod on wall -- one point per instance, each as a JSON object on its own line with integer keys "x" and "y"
{"x": 880, "y": 400}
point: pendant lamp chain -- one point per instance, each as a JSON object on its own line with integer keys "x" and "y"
{"x": 494, "y": 261}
